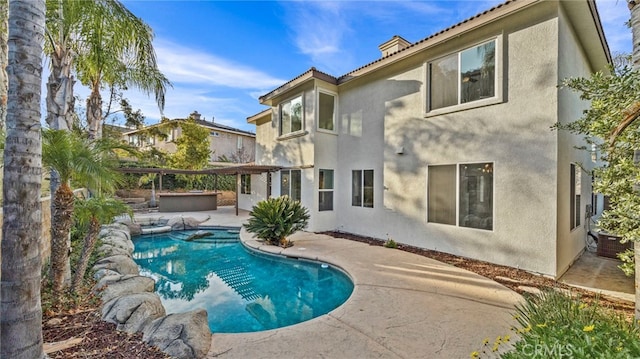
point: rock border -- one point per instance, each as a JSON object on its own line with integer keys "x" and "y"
{"x": 129, "y": 301}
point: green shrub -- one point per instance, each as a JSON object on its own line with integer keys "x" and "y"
{"x": 274, "y": 219}
{"x": 555, "y": 325}
{"x": 390, "y": 243}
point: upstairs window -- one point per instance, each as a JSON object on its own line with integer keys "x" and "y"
{"x": 462, "y": 77}
{"x": 326, "y": 111}
{"x": 291, "y": 112}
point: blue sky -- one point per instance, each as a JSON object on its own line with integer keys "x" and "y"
{"x": 222, "y": 55}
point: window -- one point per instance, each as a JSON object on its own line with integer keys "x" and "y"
{"x": 466, "y": 76}
{"x": 215, "y": 134}
{"x": 325, "y": 193}
{"x": 326, "y": 111}
{"x": 461, "y": 194}
{"x": 290, "y": 183}
{"x": 245, "y": 184}
{"x": 575, "y": 190}
{"x": 362, "y": 188}
{"x": 239, "y": 142}
{"x": 291, "y": 115}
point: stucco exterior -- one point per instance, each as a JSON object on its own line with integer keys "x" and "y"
{"x": 383, "y": 124}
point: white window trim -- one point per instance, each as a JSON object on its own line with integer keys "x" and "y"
{"x": 335, "y": 110}
{"x": 457, "y": 225}
{"x": 302, "y": 131}
{"x": 499, "y": 78}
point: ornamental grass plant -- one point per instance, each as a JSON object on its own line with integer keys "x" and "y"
{"x": 558, "y": 325}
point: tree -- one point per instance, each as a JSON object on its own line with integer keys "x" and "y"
{"x": 192, "y": 149}
{"x": 117, "y": 51}
{"x": 89, "y": 215}
{"x": 20, "y": 308}
{"x": 611, "y": 96}
{"x": 4, "y": 13}
{"x": 91, "y": 163}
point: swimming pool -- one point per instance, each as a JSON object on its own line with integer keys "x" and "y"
{"x": 242, "y": 291}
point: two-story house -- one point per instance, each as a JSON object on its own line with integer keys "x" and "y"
{"x": 225, "y": 142}
{"x": 447, "y": 143}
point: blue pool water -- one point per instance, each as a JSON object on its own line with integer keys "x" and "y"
{"x": 242, "y": 291}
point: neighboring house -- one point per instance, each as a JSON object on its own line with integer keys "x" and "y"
{"x": 447, "y": 143}
{"x": 224, "y": 141}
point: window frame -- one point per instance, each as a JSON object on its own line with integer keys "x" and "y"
{"x": 302, "y": 116}
{"x": 245, "y": 184}
{"x": 575, "y": 194}
{"x": 358, "y": 199}
{"x": 323, "y": 189}
{"x": 458, "y": 194}
{"x": 289, "y": 189}
{"x": 335, "y": 110}
{"x": 498, "y": 80}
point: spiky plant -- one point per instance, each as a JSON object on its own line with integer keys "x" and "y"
{"x": 274, "y": 219}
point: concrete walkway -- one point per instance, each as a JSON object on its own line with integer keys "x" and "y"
{"x": 403, "y": 305}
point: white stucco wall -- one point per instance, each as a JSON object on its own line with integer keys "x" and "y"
{"x": 573, "y": 63}
{"x": 387, "y": 112}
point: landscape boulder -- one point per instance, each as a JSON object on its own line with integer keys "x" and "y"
{"x": 119, "y": 263}
{"x": 182, "y": 223}
{"x": 131, "y": 313}
{"x": 118, "y": 241}
{"x": 108, "y": 250}
{"x": 115, "y": 229}
{"x": 181, "y": 335}
{"x": 118, "y": 286}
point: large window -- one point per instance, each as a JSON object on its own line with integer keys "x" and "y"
{"x": 461, "y": 194}
{"x": 326, "y": 111}
{"x": 325, "y": 190}
{"x": 245, "y": 184}
{"x": 290, "y": 183}
{"x": 291, "y": 113}
{"x": 575, "y": 190}
{"x": 362, "y": 188}
{"x": 466, "y": 76}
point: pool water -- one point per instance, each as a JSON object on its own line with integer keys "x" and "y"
{"x": 242, "y": 291}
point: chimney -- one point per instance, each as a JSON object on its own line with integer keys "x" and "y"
{"x": 396, "y": 44}
{"x": 195, "y": 115}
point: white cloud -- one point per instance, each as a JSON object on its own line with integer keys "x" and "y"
{"x": 185, "y": 65}
{"x": 614, "y": 14}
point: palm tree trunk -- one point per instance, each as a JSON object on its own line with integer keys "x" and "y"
{"x": 4, "y": 85}
{"x": 20, "y": 308}
{"x": 94, "y": 113}
{"x": 61, "y": 221}
{"x": 89, "y": 242}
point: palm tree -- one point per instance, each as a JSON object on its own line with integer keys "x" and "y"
{"x": 90, "y": 214}
{"x": 20, "y": 308}
{"x": 89, "y": 163}
{"x": 4, "y": 13}
{"x": 117, "y": 51}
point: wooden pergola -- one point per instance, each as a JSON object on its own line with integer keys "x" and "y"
{"x": 225, "y": 171}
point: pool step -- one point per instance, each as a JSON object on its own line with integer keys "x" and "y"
{"x": 210, "y": 237}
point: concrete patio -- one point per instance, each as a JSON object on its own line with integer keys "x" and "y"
{"x": 403, "y": 305}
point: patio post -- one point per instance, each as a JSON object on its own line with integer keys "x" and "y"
{"x": 237, "y": 190}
